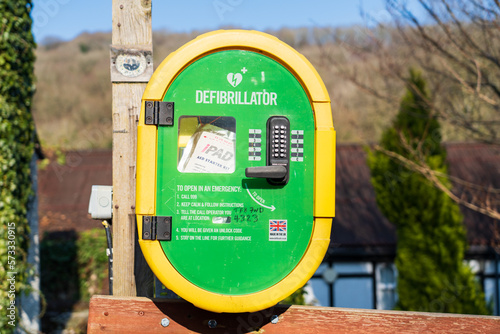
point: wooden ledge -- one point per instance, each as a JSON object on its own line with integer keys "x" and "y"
{"x": 143, "y": 315}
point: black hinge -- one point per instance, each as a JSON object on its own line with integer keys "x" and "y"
{"x": 159, "y": 113}
{"x": 157, "y": 228}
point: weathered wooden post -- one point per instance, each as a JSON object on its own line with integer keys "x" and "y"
{"x": 131, "y": 68}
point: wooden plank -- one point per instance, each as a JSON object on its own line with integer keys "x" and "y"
{"x": 131, "y": 27}
{"x": 132, "y": 22}
{"x": 126, "y": 101}
{"x": 143, "y": 315}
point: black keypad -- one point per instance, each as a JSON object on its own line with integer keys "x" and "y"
{"x": 279, "y": 137}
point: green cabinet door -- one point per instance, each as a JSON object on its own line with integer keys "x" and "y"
{"x": 233, "y": 234}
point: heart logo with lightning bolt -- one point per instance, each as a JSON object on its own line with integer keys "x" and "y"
{"x": 234, "y": 79}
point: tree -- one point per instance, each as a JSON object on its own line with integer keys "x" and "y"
{"x": 16, "y": 150}
{"x": 457, "y": 45}
{"x": 431, "y": 236}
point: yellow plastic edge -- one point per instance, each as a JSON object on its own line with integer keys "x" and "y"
{"x": 236, "y": 39}
{"x": 324, "y": 143}
{"x": 145, "y": 192}
{"x": 324, "y": 164}
{"x": 203, "y": 299}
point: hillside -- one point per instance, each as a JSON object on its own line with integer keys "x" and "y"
{"x": 72, "y": 106}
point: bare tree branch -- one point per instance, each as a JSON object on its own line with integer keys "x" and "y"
{"x": 434, "y": 178}
{"x": 467, "y": 86}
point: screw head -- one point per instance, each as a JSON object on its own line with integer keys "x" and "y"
{"x": 165, "y": 322}
{"x": 146, "y": 234}
{"x": 212, "y": 323}
{"x": 169, "y": 119}
{"x": 149, "y": 105}
{"x": 274, "y": 319}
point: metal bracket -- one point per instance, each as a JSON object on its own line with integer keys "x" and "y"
{"x": 157, "y": 228}
{"x": 159, "y": 113}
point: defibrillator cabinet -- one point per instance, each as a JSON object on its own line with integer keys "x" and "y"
{"x": 235, "y": 171}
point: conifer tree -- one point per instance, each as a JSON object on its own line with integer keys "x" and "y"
{"x": 431, "y": 235}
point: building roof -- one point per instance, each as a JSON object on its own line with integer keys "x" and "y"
{"x": 64, "y": 190}
{"x": 359, "y": 228}
{"x": 478, "y": 164}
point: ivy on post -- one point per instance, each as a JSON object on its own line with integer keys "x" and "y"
{"x": 16, "y": 151}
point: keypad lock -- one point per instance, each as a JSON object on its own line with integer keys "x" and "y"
{"x": 276, "y": 170}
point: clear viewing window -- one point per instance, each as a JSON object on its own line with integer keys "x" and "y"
{"x": 206, "y": 144}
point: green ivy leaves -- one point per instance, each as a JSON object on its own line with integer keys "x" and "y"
{"x": 16, "y": 141}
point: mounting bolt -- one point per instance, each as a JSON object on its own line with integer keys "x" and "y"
{"x": 165, "y": 322}
{"x": 149, "y": 105}
{"x": 274, "y": 319}
{"x": 212, "y": 323}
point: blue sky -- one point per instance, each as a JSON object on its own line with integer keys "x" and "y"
{"x": 67, "y": 19}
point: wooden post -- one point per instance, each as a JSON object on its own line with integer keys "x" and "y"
{"x": 131, "y": 68}
{"x": 141, "y": 315}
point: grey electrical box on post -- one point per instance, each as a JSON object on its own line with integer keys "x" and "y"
{"x": 101, "y": 202}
